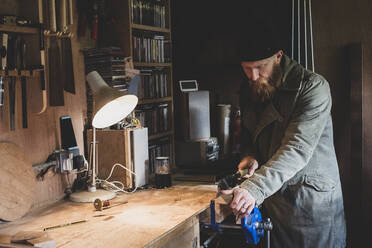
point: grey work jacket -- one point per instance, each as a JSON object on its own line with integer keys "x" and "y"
{"x": 298, "y": 179}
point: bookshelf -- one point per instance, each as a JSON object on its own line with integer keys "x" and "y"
{"x": 18, "y": 29}
{"x": 143, "y": 31}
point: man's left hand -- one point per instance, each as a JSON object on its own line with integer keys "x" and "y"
{"x": 243, "y": 202}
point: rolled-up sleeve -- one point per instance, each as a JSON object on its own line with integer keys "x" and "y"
{"x": 311, "y": 113}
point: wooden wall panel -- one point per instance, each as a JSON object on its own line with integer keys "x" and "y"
{"x": 355, "y": 61}
{"x": 336, "y": 25}
{"x": 42, "y": 136}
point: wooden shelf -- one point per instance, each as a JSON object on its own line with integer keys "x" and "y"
{"x": 122, "y": 11}
{"x": 164, "y": 99}
{"x": 150, "y": 28}
{"x": 18, "y": 29}
{"x": 14, "y": 73}
{"x": 160, "y": 135}
{"x": 145, "y": 64}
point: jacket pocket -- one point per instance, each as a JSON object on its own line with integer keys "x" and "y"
{"x": 311, "y": 200}
{"x": 319, "y": 183}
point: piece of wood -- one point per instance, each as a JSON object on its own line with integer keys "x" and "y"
{"x": 27, "y": 235}
{"x": 111, "y": 150}
{"x": 17, "y": 180}
{"x": 13, "y": 245}
{"x": 43, "y": 242}
{"x": 5, "y": 239}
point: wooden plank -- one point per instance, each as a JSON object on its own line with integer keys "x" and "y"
{"x": 160, "y": 135}
{"x": 146, "y": 64}
{"x": 18, "y": 29}
{"x": 150, "y": 28}
{"x": 149, "y": 217}
{"x": 164, "y": 99}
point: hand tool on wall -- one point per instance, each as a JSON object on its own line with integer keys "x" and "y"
{"x": 4, "y": 48}
{"x": 62, "y": 20}
{"x": 70, "y": 12}
{"x": 56, "y": 77}
{"x": 12, "y": 103}
{"x": 67, "y": 65}
{"x": 12, "y": 61}
{"x": 1, "y": 91}
{"x": 42, "y": 56}
{"x": 3, "y": 52}
{"x": 22, "y": 51}
{"x": 52, "y": 15}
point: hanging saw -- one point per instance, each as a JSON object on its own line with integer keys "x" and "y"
{"x": 42, "y": 57}
{"x": 22, "y": 51}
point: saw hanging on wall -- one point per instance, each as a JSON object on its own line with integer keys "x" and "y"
{"x": 58, "y": 15}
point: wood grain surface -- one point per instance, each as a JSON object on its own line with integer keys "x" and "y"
{"x": 148, "y": 219}
{"x": 17, "y": 180}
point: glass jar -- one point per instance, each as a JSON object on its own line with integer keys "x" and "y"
{"x": 162, "y": 172}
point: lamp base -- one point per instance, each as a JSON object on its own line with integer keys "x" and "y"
{"x": 86, "y": 196}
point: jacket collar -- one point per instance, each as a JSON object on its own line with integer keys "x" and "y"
{"x": 293, "y": 74}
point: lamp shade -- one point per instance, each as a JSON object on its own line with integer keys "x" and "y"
{"x": 110, "y": 105}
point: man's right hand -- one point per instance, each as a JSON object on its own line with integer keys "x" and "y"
{"x": 249, "y": 163}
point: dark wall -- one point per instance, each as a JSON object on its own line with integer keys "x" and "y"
{"x": 337, "y": 24}
{"x": 203, "y": 36}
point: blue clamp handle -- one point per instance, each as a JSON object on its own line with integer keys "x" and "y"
{"x": 250, "y": 227}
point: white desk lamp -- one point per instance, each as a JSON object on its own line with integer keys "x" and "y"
{"x": 110, "y": 107}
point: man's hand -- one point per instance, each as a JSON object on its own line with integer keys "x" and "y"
{"x": 249, "y": 163}
{"x": 242, "y": 203}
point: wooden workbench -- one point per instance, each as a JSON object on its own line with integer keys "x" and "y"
{"x": 151, "y": 218}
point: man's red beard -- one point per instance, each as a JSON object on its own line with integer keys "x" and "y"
{"x": 262, "y": 90}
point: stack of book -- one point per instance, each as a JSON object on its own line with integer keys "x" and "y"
{"x": 151, "y": 48}
{"x": 155, "y": 117}
{"x": 154, "y": 83}
{"x": 158, "y": 148}
{"x": 148, "y": 12}
{"x": 109, "y": 63}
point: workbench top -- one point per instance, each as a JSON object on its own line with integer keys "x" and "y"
{"x": 148, "y": 216}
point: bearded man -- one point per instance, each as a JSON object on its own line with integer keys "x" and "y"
{"x": 287, "y": 145}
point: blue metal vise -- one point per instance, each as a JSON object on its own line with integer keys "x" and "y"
{"x": 252, "y": 226}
